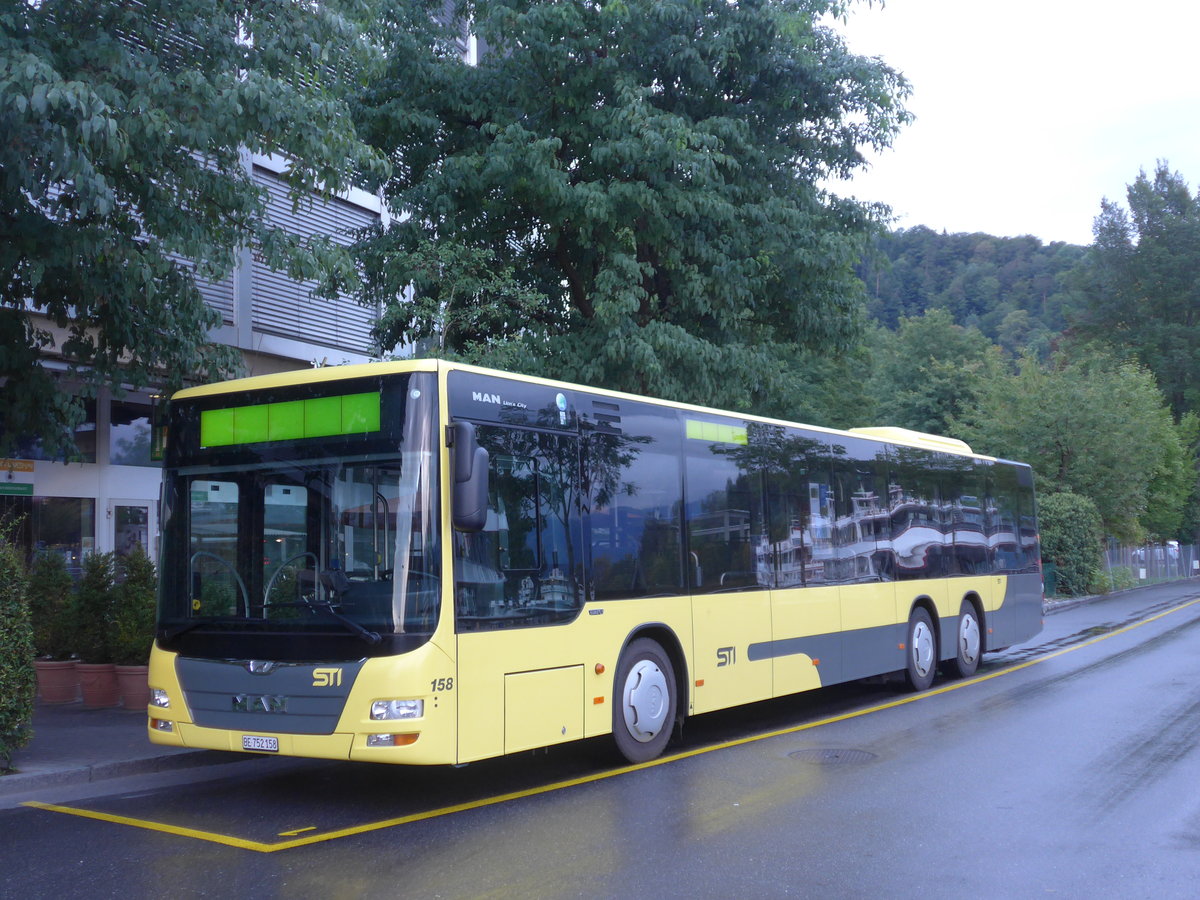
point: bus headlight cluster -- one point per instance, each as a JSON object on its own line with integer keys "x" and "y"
{"x": 159, "y": 698}
{"x": 397, "y": 709}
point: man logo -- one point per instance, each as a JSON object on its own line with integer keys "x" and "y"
{"x": 259, "y": 703}
{"x": 327, "y": 677}
{"x": 726, "y": 656}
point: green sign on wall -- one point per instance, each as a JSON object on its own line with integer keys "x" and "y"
{"x": 11, "y": 489}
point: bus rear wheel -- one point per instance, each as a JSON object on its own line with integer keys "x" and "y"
{"x": 921, "y": 654}
{"x": 969, "y": 643}
{"x": 645, "y": 701}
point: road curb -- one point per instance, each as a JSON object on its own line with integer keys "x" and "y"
{"x": 35, "y": 778}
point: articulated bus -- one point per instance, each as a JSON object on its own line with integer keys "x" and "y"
{"x": 426, "y": 563}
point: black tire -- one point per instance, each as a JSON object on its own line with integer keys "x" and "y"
{"x": 644, "y": 701}
{"x": 920, "y": 651}
{"x": 968, "y": 639}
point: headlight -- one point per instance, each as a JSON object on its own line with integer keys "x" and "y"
{"x": 397, "y": 709}
{"x": 159, "y": 698}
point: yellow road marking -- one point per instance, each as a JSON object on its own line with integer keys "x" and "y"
{"x": 590, "y": 778}
{"x": 296, "y": 831}
{"x": 215, "y": 838}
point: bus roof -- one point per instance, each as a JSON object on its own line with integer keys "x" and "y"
{"x": 888, "y": 434}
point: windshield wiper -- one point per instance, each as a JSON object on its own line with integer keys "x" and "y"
{"x": 172, "y": 633}
{"x": 371, "y": 637}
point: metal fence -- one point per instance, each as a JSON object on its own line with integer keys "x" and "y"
{"x": 1150, "y": 563}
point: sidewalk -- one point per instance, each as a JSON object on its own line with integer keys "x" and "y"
{"x": 73, "y": 745}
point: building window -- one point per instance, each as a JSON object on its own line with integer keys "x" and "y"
{"x": 130, "y": 434}
{"x": 85, "y": 440}
{"x": 61, "y": 525}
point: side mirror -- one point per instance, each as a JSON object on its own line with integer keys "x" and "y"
{"x": 470, "y": 491}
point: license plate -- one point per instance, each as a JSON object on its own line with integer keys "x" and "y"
{"x": 257, "y": 742}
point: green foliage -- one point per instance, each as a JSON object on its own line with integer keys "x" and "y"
{"x": 1141, "y": 288}
{"x": 133, "y": 610}
{"x": 1174, "y": 485}
{"x": 929, "y": 371}
{"x": 1119, "y": 578}
{"x": 17, "y": 680}
{"x": 51, "y": 608}
{"x": 1071, "y": 539}
{"x": 1014, "y": 290}
{"x": 655, "y": 169}
{"x": 94, "y": 608}
{"x": 458, "y": 294}
{"x": 125, "y": 132}
{"x": 1091, "y": 425}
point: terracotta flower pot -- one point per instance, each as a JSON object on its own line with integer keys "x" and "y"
{"x": 57, "y": 680}
{"x": 134, "y": 686}
{"x": 98, "y": 683}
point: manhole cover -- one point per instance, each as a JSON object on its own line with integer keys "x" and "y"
{"x": 827, "y": 757}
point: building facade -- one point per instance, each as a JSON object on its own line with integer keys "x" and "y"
{"x": 109, "y": 500}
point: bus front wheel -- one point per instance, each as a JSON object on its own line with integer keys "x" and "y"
{"x": 921, "y": 654}
{"x": 644, "y": 707}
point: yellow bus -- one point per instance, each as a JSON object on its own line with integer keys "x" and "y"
{"x": 422, "y": 562}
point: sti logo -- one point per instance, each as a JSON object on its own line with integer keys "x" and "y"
{"x": 327, "y": 677}
{"x": 726, "y": 656}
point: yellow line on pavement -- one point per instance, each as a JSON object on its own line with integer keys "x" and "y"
{"x": 210, "y": 836}
{"x": 262, "y": 847}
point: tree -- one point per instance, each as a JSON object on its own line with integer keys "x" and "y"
{"x": 1142, "y": 287}
{"x": 929, "y": 371}
{"x": 653, "y": 168}
{"x": 1092, "y": 425}
{"x": 1013, "y": 290}
{"x": 123, "y": 180}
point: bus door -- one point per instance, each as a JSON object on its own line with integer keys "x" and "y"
{"x": 806, "y": 623}
{"x": 518, "y": 587}
{"x": 729, "y": 575}
{"x": 863, "y": 561}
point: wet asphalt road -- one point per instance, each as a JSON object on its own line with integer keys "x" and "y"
{"x": 1071, "y": 768}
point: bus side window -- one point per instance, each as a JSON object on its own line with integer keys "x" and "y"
{"x": 726, "y": 526}
{"x": 523, "y": 568}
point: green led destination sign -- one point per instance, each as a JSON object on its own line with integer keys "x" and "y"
{"x": 714, "y": 433}
{"x": 291, "y": 420}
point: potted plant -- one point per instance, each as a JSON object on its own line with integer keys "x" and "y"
{"x": 133, "y": 627}
{"x": 93, "y": 613}
{"x": 16, "y": 655}
{"x": 51, "y": 610}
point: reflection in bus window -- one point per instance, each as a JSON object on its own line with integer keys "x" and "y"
{"x": 216, "y": 587}
{"x": 524, "y": 568}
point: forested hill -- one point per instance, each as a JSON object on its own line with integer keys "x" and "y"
{"x": 1014, "y": 290}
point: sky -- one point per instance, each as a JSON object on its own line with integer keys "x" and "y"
{"x": 1029, "y": 112}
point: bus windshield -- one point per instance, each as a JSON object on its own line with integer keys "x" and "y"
{"x": 331, "y": 534}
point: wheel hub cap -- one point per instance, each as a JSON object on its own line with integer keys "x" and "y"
{"x": 922, "y": 648}
{"x": 645, "y": 700}
{"x": 968, "y": 638}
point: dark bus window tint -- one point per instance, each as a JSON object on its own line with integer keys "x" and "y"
{"x": 1005, "y": 520}
{"x": 861, "y": 527}
{"x": 915, "y": 514}
{"x": 964, "y": 485}
{"x": 725, "y": 515}
{"x": 525, "y": 567}
{"x": 1027, "y": 533}
{"x": 795, "y": 466}
{"x": 632, "y": 475}
{"x": 215, "y": 587}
